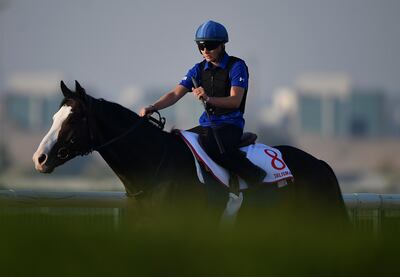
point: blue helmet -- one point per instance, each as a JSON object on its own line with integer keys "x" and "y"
{"x": 212, "y": 31}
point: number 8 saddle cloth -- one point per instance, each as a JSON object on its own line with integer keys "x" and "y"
{"x": 268, "y": 158}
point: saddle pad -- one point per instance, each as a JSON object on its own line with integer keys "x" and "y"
{"x": 268, "y": 158}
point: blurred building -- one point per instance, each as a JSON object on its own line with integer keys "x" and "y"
{"x": 352, "y": 129}
{"x": 283, "y": 108}
{"x": 323, "y": 104}
{"x": 28, "y": 104}
{"x": 327, "y": 105}
{"x": 393, "y": 108}
{"x": 4, "y": 159}
{"x": 368, "y": 115}
{"x": 30, "y": 100}
{"x": 277, "y": 120}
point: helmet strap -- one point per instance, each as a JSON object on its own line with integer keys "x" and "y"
{"x": 221, "y": 55}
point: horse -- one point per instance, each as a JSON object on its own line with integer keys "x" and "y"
{"x": 155, "y": 164}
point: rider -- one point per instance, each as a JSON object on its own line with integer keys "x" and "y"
{"x": 223, "y": 83}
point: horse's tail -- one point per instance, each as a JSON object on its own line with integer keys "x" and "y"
{"x": 333, "y": 183}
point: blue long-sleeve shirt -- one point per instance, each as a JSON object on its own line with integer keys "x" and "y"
{"x": 237, "y": 76}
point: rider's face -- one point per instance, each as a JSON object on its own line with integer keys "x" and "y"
{"x": 212, "y": 55}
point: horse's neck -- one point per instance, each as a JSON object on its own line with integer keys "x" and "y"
{"x": 110, "y": 120}
{"x": 137, "y": 158}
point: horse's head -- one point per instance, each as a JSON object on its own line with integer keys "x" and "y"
{"x": 69, "y": 134}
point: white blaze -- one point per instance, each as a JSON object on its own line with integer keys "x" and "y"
{"x": 51, "y": 137}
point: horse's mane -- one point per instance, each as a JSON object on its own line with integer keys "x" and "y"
{"x": 112, "y": 113}
{"x": 113, "y": 109}
{"x": 125, "y": 116}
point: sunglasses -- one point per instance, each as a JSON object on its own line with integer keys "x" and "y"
{"x": 209, "y": 45}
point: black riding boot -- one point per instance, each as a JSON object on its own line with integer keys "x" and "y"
{"x": 236, "y": 162}
{"x": 255, "y": 177}
{"x": 232, "y": 158}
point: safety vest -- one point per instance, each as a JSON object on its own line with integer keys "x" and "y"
{"x": 216, "y": 83}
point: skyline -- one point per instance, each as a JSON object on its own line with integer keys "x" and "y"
{"x": 144, "y": 43}
{"x": 115, "y": 48}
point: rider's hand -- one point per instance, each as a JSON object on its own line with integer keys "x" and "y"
{"x": 147, "y": 110}
{"x": 200, "y": 93}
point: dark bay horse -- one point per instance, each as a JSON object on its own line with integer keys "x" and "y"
{"x": 155, "y": 164}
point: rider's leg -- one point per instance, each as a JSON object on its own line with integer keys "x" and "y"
{"x": 232, "y": 159}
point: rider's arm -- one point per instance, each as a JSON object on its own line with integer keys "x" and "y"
{"x": 166, "y": 100}
{"x": 173, "y": 96}
{"x": 230, "y": 102}
{"x": 170, "y": 98}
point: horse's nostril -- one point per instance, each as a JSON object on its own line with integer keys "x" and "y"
{"x": 42, "y": 158}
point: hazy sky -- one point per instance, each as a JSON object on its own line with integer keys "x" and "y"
{"x": 111, "y": 45}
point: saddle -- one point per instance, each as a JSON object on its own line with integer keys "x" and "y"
{"x": 248, "y": 138}
{"x": 266, "y": 157}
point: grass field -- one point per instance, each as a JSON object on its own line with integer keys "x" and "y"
{"x": 168, "y": 243}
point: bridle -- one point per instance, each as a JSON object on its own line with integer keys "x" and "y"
{"x": 65, "y": 152}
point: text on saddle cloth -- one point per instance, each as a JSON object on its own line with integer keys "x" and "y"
{"x": 268, "y": 158}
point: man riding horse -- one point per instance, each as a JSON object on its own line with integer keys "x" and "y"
{"x": 223, "y": 85}
{"x": 156, "y": 165}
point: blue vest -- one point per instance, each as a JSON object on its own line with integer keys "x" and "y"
{"x": 216, "y": 83}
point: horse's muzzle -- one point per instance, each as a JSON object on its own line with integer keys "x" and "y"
{"x": 40, "y": 159}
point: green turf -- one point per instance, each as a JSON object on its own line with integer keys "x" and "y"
{"x": 188, "y": 243}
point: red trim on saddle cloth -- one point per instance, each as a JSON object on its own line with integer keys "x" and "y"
{"x": 198, "y": 157}
{"x": 268, "y": 158}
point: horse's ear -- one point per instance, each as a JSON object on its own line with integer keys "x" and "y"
{"x": 65, "y": 90}
{"x": 79, "y": 89}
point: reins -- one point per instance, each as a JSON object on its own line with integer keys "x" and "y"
{"x": 160, "y": 123}
{"x": 117, "y": 138}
